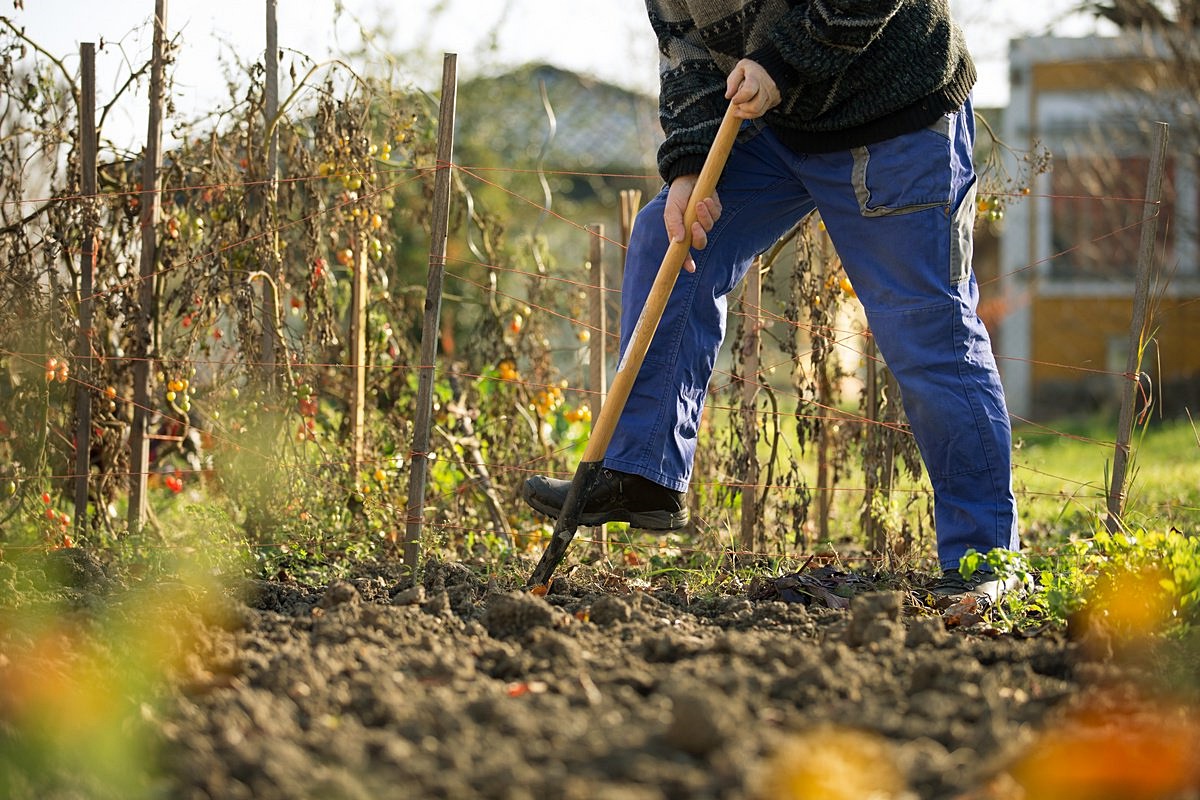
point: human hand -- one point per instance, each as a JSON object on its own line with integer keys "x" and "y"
{"x": 751, "y": 90}
{"x": 708, "y": 211}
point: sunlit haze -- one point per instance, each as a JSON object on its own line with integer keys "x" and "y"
{"x": 609, "y": 40}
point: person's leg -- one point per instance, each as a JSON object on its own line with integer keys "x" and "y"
{"x": 760, "y": 199}
{"x": 901, "y": 214}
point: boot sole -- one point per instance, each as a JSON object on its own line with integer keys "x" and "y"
{"x": 645, "y": 520}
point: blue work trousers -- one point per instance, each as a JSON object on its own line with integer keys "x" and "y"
{"x": 900, "y": 214}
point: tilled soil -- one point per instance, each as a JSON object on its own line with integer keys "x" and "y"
{"x": 461, "y": 688}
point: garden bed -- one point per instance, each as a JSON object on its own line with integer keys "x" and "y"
{"x": 460, "y": 686}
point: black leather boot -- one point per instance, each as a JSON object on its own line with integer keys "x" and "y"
{"x": 616, "y": 497}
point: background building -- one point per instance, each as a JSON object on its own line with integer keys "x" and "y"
{"x": 1068, "y": 253}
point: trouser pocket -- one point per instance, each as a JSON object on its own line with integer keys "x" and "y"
{"x": 905, "y": 174}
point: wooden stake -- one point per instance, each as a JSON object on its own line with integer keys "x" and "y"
{"x": 825, "y": 402}
{"x": 752, "y": 537}
{"x": 87, "y": 274}
{"x": 631, "y": 202}
{"x": 358, "y": 351}
{"x": 597, "y": 317}
{"x": 270, "y": 302}
{"x": 271, "y": 100}
{"x": 439, "y": 227}
{"x": 597, "y": 344}
{"x": 880, "y": 447}
{"x": 1137, "y": 327}
{"x": 873, "y": 530}
{"x": 145, "y": 346}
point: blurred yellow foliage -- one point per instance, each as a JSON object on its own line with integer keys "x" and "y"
{"x": 833, "y": 764}
{"x": 1102, "y": 755}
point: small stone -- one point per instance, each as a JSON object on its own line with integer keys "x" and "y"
{"x": 413, "y": 596}
{"x": 926, "y": 630}
{"x": 866, "y": 610}
{"x": 882, "y": 631}
{"x": 697, "y": 724}
{"x": 609, "y": 610}
{"x": 438, "y": 604}
{"x": 877, "y": 605}
{"x": 339, "y": 593}
{"x": 515, "y": 613}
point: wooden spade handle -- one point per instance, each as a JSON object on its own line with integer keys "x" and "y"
{"x": 656, "y": 302}
{"x": 588, "y": 470}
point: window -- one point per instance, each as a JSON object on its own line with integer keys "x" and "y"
{"x": 1097, "y": 209}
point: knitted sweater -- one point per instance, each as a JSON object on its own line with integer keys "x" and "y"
{"x": 850, "y": 72}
